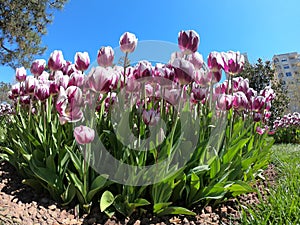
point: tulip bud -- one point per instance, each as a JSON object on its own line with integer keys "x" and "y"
{"x": 82, "y": 61}
{"x": 105, "y": 56}
{"x": 128, "y": 42}
{"x": 84, "y": 135}
{"x": 188, "y": 41}
{"x": 56, "y": 60}
{"x": 20, "y": 74}
{"x": 37, "y": 67}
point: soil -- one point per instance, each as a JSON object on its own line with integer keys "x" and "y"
{"x": 20, "y": 204}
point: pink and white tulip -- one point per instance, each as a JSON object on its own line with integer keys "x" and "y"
{"x": 105, "y": 56}
{"x": 82, "y": 61}
{"x": 84, "y": 135}
{"x": 128, "y": 42}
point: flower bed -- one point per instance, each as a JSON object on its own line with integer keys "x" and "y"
{"x": 138, "y": 138}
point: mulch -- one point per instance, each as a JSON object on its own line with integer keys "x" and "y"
{"x": 20, "y": 204}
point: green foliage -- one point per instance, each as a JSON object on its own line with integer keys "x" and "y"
{"x": 261, "y": 75}
{"x": 283, "y": 203}
{"x": 287, "y": 135}
{"x": 22, "y": 25}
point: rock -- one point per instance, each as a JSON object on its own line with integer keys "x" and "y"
{"x": 52, "y": 207}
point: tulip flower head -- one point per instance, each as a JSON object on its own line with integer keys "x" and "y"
{"x": 38, "y": 67}
{"x": 188, "y": 41}
{"x": 105, "y": 56}
{"x": 20, "y": 74}
{"x": 233, "y": 62}
{"x": 56, "y": 60}
{"x": 128, "y": 42}
{"x": 215, "y": 61}
{"x": 82, "y": 61}
{"x": 84, "y": 135}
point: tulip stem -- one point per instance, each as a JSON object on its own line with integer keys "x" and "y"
{"x": 125, "y": 66}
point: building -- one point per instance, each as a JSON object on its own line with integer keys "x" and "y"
{"x": 246, "y": 57}
{"x": 287, "y": 68}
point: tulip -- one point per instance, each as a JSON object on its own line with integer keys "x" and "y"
{"x": 257, "y": 117}
{"x": 100, "y": 79}
{"x": 188, "y": 41}
{"x": 128, "y": 42}
{"x": 202, "y": 78}
{"x": 25, "y": 99}
{"x": 233, "y": 62}
{"x": 142, "y": 69}
{"x": 240, "y": 101}
{"x": 44, "y": 76}
{"x": 42, "y": 91}
{"x": 30, "y": 84}
{"x": 20, "y": 74}
{"x": 257, "y": 103}
{"x": 105, "y": 56}
{"x": 183, "y": 71}
{"x": 84, "y": 135}
{"x": 66, "y": 66}
{"x": 251, "y": 93}
{"x": 82, "y": 61}
{"x": 198, "y": 94}
{"x": 37, "y": 67}
{"x": 150, "y": 117}
{"x": 56, "y": 60}
{"x": 260, "y": 130}
{"x": 196, "y": 59}
{"x": 268, "y": 93}
{"x": 68, "y": 104}
{"x": 76, "y": 79}
{"x": 224, "y": 102}
{"x": 215, "y": 61}
{"x": 243, "y": 85}
{"x": 16, "y": 89}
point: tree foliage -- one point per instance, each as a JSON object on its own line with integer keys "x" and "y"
{"x": 22, "y": 24}
{"x": 260, "y": 75}
{"x": 4, "y": 88}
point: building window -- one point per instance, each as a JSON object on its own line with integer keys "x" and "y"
{"x": 288, "y": 74}
{"x": 286, "y": 66}
{"x": 284, "y": 60}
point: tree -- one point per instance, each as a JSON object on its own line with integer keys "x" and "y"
{"x": 22, "y": 24}
{"x": 4, "y": 88}
{"x": 261, "y": 75}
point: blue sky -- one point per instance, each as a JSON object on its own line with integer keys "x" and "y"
{"x": 261, "y": 28}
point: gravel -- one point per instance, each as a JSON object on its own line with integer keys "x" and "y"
{"x": 20, "y": 204}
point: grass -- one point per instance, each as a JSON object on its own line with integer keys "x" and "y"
{"x": 283, "y": 204}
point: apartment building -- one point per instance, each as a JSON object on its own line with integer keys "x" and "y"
{"x": 287, "y": 68}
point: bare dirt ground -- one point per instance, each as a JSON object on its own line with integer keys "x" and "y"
{"x": 20, "y": 204}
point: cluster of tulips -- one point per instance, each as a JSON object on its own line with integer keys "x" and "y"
{"x": 287, "y": 128}
{"x": 289, "y": 120}
{"x": 65, "y": 109}
{"x": 5, "y": 108}
{"x": 73, "y": 89}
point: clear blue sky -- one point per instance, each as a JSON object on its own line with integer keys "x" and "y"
{"x": 261, "y": 28}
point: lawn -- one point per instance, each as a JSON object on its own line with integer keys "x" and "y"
{"x": 283, "y": 204}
